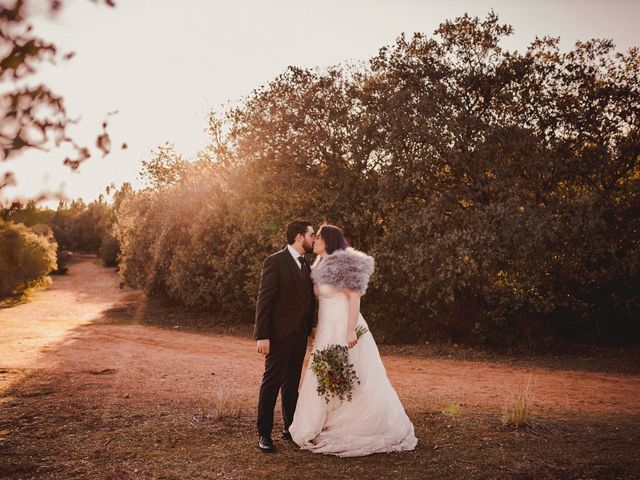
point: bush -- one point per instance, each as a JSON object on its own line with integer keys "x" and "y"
{"x": 76, "y": 226}
{"x": 109, "y": 250}
{"x": 26, "y": 258}
{"x": 81, "y": 227}
{"x": 177, "y": 241}
{"x": 64, "y": 257}
{"x": 499, "y": 191}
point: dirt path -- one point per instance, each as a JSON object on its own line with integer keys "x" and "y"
{"x": 79, "y": 378}
{"x": 72, "y": 300}
{"x": 64, "y": 328}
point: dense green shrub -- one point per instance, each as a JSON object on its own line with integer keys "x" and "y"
{"x": 176, "y": 239}
{"x": 499, "y": 191}
{"x": 109, "y": 250}
{"x": 77, "y": 227}
{"x": 81, "y": 227}
{"x": 26, "y": 257}
{"x": 63, "y": 260}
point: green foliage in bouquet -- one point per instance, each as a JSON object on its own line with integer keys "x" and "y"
{"x": 361, "y": 330}
{"x": 336, "y": 376}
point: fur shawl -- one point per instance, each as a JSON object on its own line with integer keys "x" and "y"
{"x": 347, "y": 269}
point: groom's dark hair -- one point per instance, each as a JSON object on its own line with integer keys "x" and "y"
{"x": 296, "y": 227}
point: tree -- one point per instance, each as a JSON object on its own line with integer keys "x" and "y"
{"x": 519, "y": 173}
{"x": 33, "y": 116}
{"x": 26, "y": 257}
{"x": 497, "y": 190}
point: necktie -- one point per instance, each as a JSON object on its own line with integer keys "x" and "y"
{"x": 303, "y": 263}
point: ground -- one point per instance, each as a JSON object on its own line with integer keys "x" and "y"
{"x": 97, "y": 383}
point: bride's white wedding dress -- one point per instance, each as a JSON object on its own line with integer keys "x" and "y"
{"x": 374, "y": 421}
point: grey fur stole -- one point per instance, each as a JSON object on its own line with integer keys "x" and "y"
{"x": 344, "y": 269}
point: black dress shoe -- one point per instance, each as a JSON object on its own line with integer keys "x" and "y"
{"x": 266, "y": 444}
{"x": 286, "y": 435}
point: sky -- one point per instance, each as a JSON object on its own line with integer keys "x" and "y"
{"x": 164, "y": 65}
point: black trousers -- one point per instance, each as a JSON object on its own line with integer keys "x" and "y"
{"x": 282, "y": 369}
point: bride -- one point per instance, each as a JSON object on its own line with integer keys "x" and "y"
{"x": 374, "y": 420}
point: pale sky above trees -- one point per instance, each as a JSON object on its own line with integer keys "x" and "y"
{"x": 164, "y": 65}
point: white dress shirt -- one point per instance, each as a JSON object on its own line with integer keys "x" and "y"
{"x": 295, "y": 255}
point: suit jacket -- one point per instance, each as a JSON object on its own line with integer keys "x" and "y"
{"x": 286, "y": 303}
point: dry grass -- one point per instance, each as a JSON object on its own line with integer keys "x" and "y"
{"x": 518, "y": 408}
{"x": 451, "y": 409}
{"x": 137, "y": 442}
{"x": 57, "y": 426}
{"x": 224, "y": 405}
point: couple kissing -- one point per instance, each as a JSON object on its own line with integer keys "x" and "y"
{"x": 294, "y": 300}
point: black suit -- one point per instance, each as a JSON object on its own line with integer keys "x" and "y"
{"x": 285, "y": 314}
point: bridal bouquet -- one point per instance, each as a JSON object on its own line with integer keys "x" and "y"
{"x": 336, "y": 376}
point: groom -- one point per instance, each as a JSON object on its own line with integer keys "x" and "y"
{"x": 285, "y": 316}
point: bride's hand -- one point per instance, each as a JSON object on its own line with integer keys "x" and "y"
{"x": 352, "y": 339}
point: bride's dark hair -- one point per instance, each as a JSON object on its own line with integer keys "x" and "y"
{"x": 333, "y": 238}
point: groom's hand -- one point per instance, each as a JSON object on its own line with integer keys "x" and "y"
{"x": 263, "y": 346}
